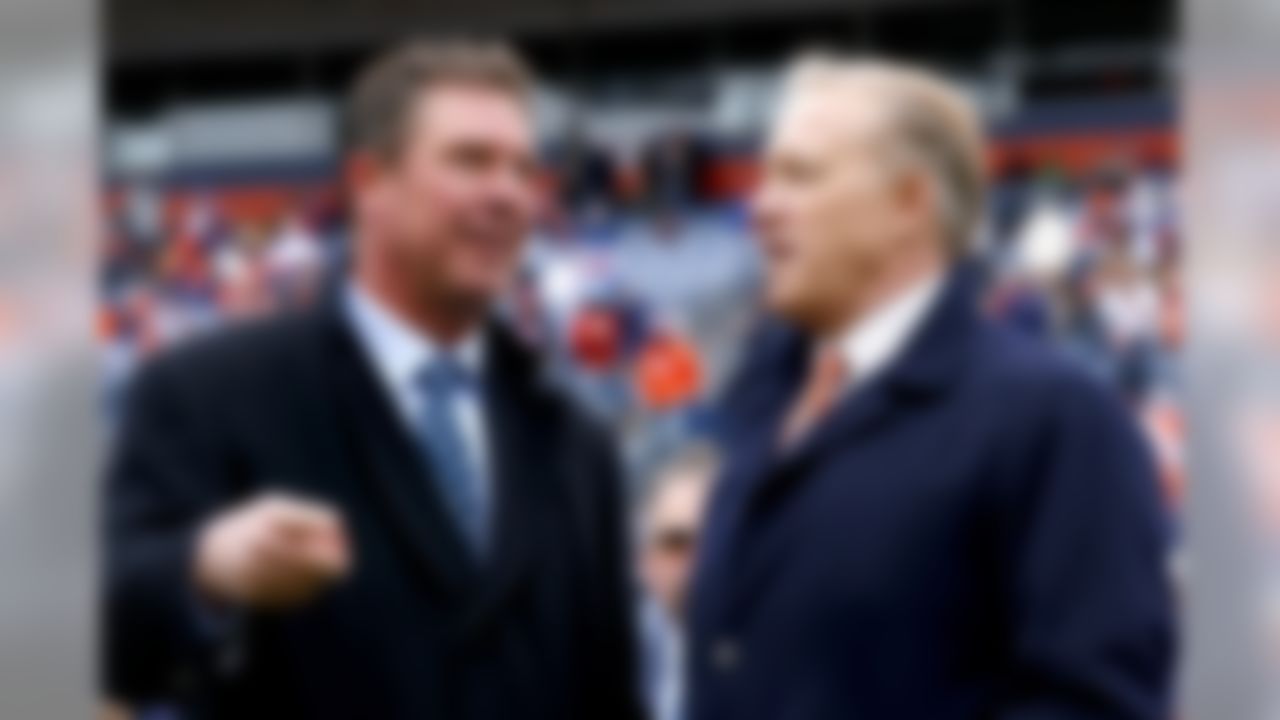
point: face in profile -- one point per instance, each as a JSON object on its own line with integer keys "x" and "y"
{"x": 826, "y": 210}
{"x": 458, "y": 201}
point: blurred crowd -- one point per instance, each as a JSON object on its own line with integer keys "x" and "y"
{"x": 1091, "y": 263}
{"x": 639, "y": 284}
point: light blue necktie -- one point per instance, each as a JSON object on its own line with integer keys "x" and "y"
{"x": 442, "y": 383}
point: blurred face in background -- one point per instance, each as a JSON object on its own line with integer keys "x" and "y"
{"x": 671, "y": 526}
{"x": 448, "y": 214}
{"x": 831, "y": 211}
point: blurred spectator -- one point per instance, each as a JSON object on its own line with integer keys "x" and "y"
{"x": 670, "y": 522}
{"x": 673, "y": 167}
{"x": 1129, "y": 308}
{"x": 1083, "y": 333}
{"x": 142, "y": 216}
{"x": 1044, "y": 242}
{"x": 1021, "y": 304}
{"x": 295, "y": 263}
{"x": 587, "y": 177}
{"x": 668, "y": 373}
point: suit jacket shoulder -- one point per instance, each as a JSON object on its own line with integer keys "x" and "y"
{"x": 1038, "y": 385}
{"x": 226, "y": 362}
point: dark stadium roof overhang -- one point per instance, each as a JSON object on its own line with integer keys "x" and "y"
{"x": 154, "y": 30}
{"x": 160, "y": 52}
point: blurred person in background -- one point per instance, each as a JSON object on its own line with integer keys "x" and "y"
{"x": 295, "y": 263}
{"x": 597, "y": 359}
{"x": 922, "y": 515}
{"x": 668, "y": 378}
{"x": 1129, "y": 307}
{"x": 243, "y": 277}
{"x": 1083, "y": 332}
{"x": 673, "y": 167}
{"x": 670, "y": 522}
{"x": 587, "y": 177}
{"x": 376, "y": 508}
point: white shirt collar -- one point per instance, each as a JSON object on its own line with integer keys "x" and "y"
{"x": 876, "y": 340}
{"x": 398, "y": 351}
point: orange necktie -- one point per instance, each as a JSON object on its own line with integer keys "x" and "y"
{"x": 827, "y": 377}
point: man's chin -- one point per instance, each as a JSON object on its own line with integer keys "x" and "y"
{"x": 783, "y": 305}
{"x": 480, "y": 291}
{"x": 794, "y": 311}
{"x": 473, "y": 298}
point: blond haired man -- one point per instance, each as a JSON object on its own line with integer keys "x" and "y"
{"x": 920, "y": 516}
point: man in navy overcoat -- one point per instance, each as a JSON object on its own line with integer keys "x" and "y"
{"x": 922, "y": 515}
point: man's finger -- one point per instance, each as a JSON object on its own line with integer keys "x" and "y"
{"x": 321, "y": 552}
{"x": 303, "y": 517}
{"x": 329, "y": 553}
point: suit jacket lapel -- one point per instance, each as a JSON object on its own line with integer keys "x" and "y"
{"x": 753, "y": 411}
{"x": 397, "y": 475}
{"x": 926, "y": 366}
{"x": 520, "y": 461}
{"x": 856, "y": 413}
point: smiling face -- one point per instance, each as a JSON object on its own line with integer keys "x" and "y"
{"x": 450, "y": 211}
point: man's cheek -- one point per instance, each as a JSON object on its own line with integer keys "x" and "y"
{"x": 479, "y": 263}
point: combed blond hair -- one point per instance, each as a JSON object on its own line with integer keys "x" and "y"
{"x": 931, "y": 121}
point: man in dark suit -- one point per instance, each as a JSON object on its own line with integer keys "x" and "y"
{"x": 922, "y": 516}
{"x": 378, "y": 509}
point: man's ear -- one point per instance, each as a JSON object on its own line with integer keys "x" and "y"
{"x": 916, "y": 194}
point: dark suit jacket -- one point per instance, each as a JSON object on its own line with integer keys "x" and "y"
{"x": 975, "y": 533}
{"x": 418, "y": 631}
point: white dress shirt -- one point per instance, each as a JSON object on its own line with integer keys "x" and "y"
{"x": 872, "y": 343}
{"x": 399, "y": 354}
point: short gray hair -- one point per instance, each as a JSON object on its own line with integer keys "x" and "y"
{"x": 935, "y": 123}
